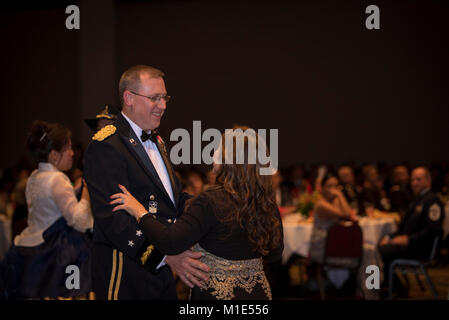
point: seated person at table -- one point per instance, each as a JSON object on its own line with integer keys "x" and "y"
{"x": 349, "y": 188}
{"x": 372, "y": 194}
{"x": 282, "y": 193}
{"x": 329, "y": 209}
{"x": 421, "y": 224}
{"x": 400, "y": 193}
{"x": 296, "y": 181}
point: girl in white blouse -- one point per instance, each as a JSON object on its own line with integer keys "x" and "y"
{"x": 55, "y": 237}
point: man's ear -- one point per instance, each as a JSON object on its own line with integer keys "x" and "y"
{"x": 128, "y": 98}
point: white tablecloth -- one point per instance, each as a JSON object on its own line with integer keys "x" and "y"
{"x": 297, "y": 234}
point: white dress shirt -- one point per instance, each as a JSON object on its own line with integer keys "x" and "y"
{"x": 155, "y": 157}
{"x": 50, "y": 196}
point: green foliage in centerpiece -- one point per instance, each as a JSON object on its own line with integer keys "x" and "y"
{"x": 306, "y": 202}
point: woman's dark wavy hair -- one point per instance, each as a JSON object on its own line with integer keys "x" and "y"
{"x": 44, "y": 137}
{"x": 254, "y": 197}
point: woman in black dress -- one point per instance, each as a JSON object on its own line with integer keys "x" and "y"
{"x": 234, "y": 224}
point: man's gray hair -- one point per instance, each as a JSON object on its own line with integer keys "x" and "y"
{"x": 130, "y": 79}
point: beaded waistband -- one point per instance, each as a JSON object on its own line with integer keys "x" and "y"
{"x": 225, "y": 275}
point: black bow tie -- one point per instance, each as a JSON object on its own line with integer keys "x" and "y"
{"x": 152, "y": 136}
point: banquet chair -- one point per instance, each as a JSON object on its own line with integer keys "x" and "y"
{"x": 417, "y": 267}
{"x": 344, "y": 248}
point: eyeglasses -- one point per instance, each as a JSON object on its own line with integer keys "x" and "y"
{"x": 155, "y": 98}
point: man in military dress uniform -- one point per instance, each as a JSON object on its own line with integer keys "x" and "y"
{"x": 421, "y": 224}
{"x": 131, "y": 153}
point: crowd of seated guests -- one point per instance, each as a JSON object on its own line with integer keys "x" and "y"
{"x": 418, "y": 195}
{"x": 365, "y": 187}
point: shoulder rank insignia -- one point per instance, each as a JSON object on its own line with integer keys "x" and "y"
{"x": 104, "y": 132}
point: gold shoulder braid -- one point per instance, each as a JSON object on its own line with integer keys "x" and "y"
{"x": 225, "y": 275}
{"x": 104, "y": 132}
{"x": 146, "y": 254}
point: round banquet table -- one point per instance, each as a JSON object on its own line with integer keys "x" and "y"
{"x": 298, "y": 232}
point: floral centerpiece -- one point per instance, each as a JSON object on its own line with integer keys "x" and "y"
{"x": 306, "y": 202}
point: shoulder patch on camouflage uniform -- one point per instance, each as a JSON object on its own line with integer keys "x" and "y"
{"x": 434, "y": 212}
{"x": 105, "y": 132}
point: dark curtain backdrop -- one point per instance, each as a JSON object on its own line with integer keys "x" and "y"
{"x": 335, "y": 90}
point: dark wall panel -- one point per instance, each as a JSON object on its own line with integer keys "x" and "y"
{"x": 39, "y": 76}
{"x": 335, "y": 90}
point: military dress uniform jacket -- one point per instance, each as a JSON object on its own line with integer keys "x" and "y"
{"x": 422, "y": 223}
{"x": 124, "y": 261}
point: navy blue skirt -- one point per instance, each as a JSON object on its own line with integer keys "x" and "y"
{"x": 39, "y": 272}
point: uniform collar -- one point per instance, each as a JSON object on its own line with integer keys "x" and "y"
{"x": 46, "y": 166}
{"x": 421, "y": 195}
